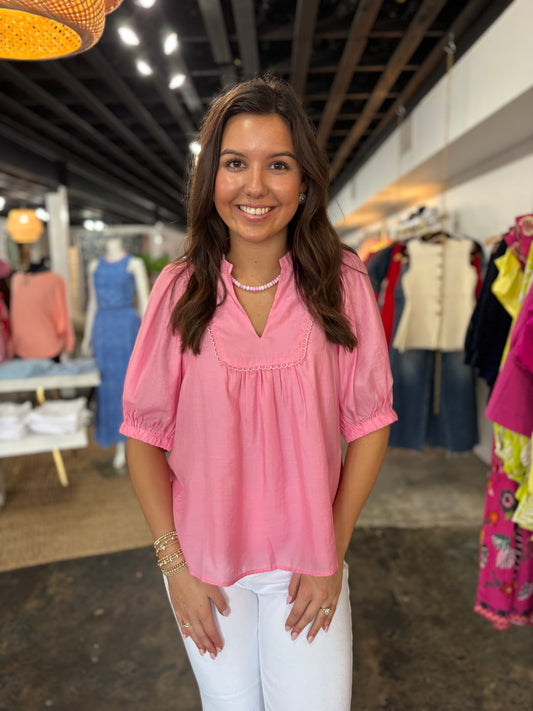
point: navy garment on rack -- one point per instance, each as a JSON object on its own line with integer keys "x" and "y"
{"x": 489, "y": 327}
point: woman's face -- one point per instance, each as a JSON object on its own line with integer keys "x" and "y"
{"x": 258, "y": 179}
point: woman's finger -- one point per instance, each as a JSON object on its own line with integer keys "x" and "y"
{"x": 219, "y": 601}
{"x": 322, "y": 618}
{"x": 293, "y": 587}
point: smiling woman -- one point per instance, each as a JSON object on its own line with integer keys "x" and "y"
{"x": 256, "y": 352}
{"x": 257, "y": 186}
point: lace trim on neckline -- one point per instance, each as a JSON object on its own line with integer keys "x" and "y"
{"x": 273, "y": 366}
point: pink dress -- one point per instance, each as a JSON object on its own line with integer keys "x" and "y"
{"x": 253, "y": 423}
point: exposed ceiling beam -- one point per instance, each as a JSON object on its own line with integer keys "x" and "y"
{"x": 244, "y": 16}
{"x": 360, "y": 68}
{"x": 362, "y": 23}
{"x": 218, "y": 39}
{"x": 187, "y": 91}
{"x": 352, "y": 96}
{"x": 68, "y": 149}
{"x": 465, "y": 20}
{"x": 302, "y": 44}
{"x": 426, "y": 14}
{"x": 119, "y": 87}
{"x": 95, "y": 106}
{"x": 19, "y": 79}
{"x": 36, "y": 161}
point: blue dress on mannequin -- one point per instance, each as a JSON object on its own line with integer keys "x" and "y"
{"x": 115, "y": 328}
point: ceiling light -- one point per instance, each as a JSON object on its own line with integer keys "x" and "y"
{"x": 128, "y": 36}
{"x": 99, "y": 225}
{"x": 195, "y": 148}
{"x": 42, "y": 214}
{"x": 143, "y": 67}
{"x": 170, "y": 43}
{"x": 145, "y": 3}
{"x": 176, "y": 80}
{"x": 2, "y": 202}
{"x": 88, "y": 225}
{"x": 47, "y": 30}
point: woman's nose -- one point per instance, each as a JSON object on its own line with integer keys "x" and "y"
{"x": 255, "y": 181}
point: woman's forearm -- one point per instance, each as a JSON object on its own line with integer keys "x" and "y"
{"x": 150, "y": 478}
{"x": 362, "y": 463}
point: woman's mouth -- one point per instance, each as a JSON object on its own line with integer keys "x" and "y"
{"x": 255, "y": 210}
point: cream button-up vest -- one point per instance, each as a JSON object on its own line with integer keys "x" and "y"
{"x": 439, "y": 289}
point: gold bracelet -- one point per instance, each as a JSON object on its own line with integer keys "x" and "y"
{"x": 170, "y": 557}
{"x": 165, "y": 540}
{"x": 176, "y": 569}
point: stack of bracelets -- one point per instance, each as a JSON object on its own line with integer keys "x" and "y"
{"x": 165, "y": 541}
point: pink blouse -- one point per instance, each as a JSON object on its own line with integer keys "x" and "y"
{"x": 253, "y": 423}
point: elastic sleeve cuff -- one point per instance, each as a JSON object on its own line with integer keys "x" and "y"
{"x": 158, "y": 439}
{"x": 351, "y": 431}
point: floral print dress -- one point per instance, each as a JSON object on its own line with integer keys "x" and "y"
{"x": 505, "y": 587}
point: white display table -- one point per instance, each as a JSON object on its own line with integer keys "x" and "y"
{"x": 36, "y": 443}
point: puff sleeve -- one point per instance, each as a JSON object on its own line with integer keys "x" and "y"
{"x": 365, "y": 379}
{"x": 153, "y": 379}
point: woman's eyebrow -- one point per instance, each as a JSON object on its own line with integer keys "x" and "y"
{"x": 287, "y": 154}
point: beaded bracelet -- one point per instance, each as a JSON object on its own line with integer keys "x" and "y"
{"x": 165, "y": 540}
{"x": 170, "y": 557}
{"x": 175, "y": 569}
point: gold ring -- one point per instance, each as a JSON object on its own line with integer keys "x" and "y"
{"x": 326, "y": 610}
{"x": 185, "y": 625}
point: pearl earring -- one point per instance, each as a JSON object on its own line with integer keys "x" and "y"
{"x": 302, "y": 198}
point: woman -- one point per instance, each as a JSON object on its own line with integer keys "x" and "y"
{"x": 257, "y": 350}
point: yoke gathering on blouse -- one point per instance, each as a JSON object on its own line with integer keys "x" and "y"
{"x": 252, "y": 424}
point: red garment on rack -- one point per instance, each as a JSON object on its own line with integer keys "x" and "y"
{"x": 387, "y": 308}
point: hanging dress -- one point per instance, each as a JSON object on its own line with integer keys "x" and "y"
{"x": 505, "y": 584}
{"x": 115, "y": 328}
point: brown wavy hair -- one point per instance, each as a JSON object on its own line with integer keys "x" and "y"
{"x": 315, "y": 247}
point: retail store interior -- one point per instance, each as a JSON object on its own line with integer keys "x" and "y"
{"x": 424, "y": 109}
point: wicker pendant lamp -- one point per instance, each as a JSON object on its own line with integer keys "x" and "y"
{"x": 23, "y": 226}
{"x": 48, "y": 29}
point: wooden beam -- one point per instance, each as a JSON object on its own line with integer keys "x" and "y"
{"x": 119, "y": 87}
{"x": 215, "y": 26}
{"x": 244, "y": 17}
{"x": 362, "y": 23}
{"x": 109, "y": 148}
{"x": 91, "y": 101}
{"x": 462, "y": 22}
{"x": 302, "y": 43}
{"x": 427, "y": 12}
{"x": 68, "y": 149}
{"x": 360, "y": 68}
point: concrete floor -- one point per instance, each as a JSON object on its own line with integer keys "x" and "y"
{"x": 96, "y": 634}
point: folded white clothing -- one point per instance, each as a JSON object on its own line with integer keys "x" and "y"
{"x": 12, "y": 419}
{"x": 14, "y": 411}
{"x": 58, "y": 416}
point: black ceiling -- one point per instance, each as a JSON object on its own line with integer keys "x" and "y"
{"x": 120, "y": 141}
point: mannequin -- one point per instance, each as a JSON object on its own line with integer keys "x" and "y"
{"x": 112, "y": 321}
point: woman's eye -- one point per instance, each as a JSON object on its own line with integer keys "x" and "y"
{"x": 234, "y": 163}
{"x": 279, "y": 165}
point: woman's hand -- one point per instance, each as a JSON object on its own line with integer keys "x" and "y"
{"x": 191, "y": 599}
{"x": 312, "y": 595}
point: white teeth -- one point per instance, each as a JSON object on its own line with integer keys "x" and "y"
{"x": 255, "y": 210}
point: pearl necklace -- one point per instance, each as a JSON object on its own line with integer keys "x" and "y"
{"x": 263, "y": 287}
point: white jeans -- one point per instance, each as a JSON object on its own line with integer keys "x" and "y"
{"x": 261, "y": 668}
